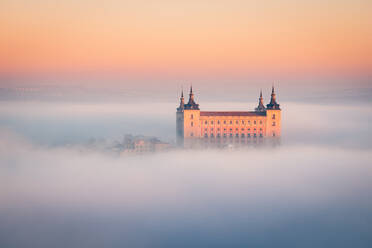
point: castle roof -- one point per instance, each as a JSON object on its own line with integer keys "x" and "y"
{"x": 232, "y": 113}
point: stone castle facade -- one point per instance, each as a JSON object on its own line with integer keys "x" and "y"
{"x": 227, "y": 126}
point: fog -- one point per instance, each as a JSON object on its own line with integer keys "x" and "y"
{"x": 314, "y": 190}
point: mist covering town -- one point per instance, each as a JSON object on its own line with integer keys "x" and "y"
{"x": 64, "y": 183}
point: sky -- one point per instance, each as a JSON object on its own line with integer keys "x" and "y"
{"x": 166, "y": 43}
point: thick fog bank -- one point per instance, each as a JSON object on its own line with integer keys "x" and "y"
{"x": 289, "y": 196}
{"x": 311, "y": 191}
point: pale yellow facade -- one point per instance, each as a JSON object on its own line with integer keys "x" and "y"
{"x": 228, "y": 125}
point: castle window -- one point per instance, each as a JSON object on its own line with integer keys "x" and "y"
{"x": 218, "y": 129}
{"x": 260, "y": 122}
{"x": 230, "y": 129}
{"x": 236, "y": 129}
{"x": 224, "y": 122}
{"x": 237, "y": 135}
{"x": 242, "y": 129}
{"x": 224, "y": 129}
{"x": 192, "y": 124}
{"x": 205, "y": 129}
{"x": 206, "y": 122}
{"x": 224, "y": 135}
{"x": 254, "y": 122}
{"x": 260, "y": 129}
{"x": 249, "y": 129}
{"x": 249, "y": 135}
{"x": 191, "y": 134}
{"x": 261, "y": 135}
{"x": 242, "y": 122}
{"x": 205, "y": 135}
{"x": 218, "y": 122}
{"x": 212, "y": 129}
{"x": 273, "y": 116}
{"x": 212, "y": 135}
{"x": 237, "y": 122}
{"x": 212, "y": 122}
{"x": 273, "y": 123}
{"x": 254, "y": 129}
{"x": 231, "y": 135}
{"x": 230, "y": 122}
{"x": 218, "y": 135}
{"x": 255, "y": 135}
{"x": 243, "y": 135}
{"x": 249, "y": 122}
{"x": 273, "y": 134}
{"x": 192, "y": 116}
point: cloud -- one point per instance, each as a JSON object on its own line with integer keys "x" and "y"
{"x": 290, "y": 196}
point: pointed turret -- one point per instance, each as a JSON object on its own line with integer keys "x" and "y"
{"x": 273, "y": 104}
{"x": 182, "y": 103}
{"x": 261, "y": 106}
{"x": 191, "y": 104}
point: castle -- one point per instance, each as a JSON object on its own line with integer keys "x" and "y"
{"x": 227, "y": 126}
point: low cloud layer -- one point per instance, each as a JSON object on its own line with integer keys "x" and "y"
{"x": 312, "y": 191}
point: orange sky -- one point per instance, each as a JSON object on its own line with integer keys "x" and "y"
{"x": 226, "y": 36}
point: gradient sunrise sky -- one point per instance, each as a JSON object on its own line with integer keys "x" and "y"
{"x": 185, "y": 39}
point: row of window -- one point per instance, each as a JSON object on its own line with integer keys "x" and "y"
{"x": 236, "y": 129}
{"x": 206, "y": 122}
{"x": 231, "y": 135}
{"x": 231, "y": 122}
{"x": 273, "y": 124}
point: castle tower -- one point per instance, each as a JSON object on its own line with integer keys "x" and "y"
{"x": 273, "y": 117}
{"x": 261, "y": 106}
{"x": 188, "y": 115}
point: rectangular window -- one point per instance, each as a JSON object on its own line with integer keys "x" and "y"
{"x": 192, "y": 124}
{"x": 237, "y": 122}
{"x": 212, "y": 122}
{"x": 224, "y": 122}
{"x": 192, "y": 116}
{"x": 260, "y": 122}
{"x": 206, "y": 122}
{"x": 273, "y": 116}
{"x": 273, "y": 123}
{"x": 254, "y": 122}
{"x": 218, "y": 122}
{"x": 242, "y": 122}
{"x": 230, "y": 122}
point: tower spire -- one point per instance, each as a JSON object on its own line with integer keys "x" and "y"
{"x": 261, "y": 106}
{"x": 273, "y": 104}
